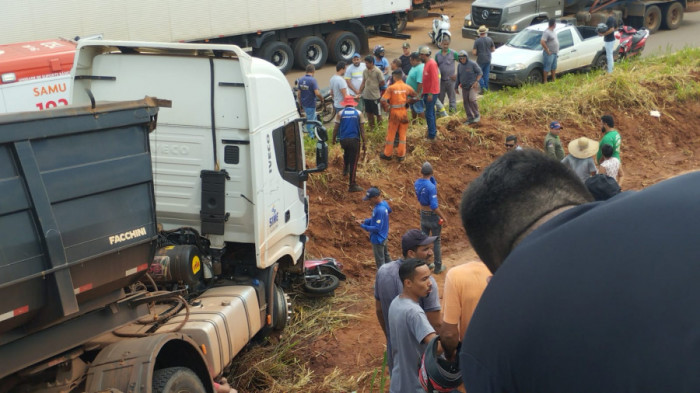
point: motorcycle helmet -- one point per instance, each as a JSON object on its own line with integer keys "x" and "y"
{"x": 436, "y": 373}
{"x": 378, "y": 50}
{"x": 601, "y": 28}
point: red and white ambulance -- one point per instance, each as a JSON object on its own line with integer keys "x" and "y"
{"x": 35, "y": 75}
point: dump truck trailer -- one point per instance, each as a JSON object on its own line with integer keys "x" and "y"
{"x": 144, "y": 240}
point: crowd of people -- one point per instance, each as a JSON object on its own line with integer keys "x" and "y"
{"x": 372, "y": 87}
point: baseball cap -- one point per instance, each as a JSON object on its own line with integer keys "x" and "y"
{"x": 414, "y": 238}
{"x": 426, "y": 169}
{"x": 371, "y": 193}
{"x": 356, "y": 55}
{"x": 424, "y": 50}
{"x": 405, "y": 45}
{"x": 555, "y": 125}
{"x": 463, "y": 53}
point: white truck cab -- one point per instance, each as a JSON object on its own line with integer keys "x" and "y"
{"x": 228, "y": 156}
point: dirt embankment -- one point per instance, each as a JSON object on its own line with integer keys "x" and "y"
{"x": 652, "y": 149}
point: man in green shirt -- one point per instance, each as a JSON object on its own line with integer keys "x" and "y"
{"x": 552, "y": 144}
{"x": 610, "y": 137}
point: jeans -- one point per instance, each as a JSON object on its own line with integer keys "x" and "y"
{"x": 310, "y": 115}
{"x": 429, "y": 225}
{"x": 484, "y": 81}
{"x": 448, "y": 87}
{"x": 609, "y": 46}
{"x": 550, "y": 62}
{"x": 351, "y": 154}
{"x": 381, "y": 253}
{"x": 430, "y": 115}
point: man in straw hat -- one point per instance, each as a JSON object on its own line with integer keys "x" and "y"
{"x": 580, "y": 158}
{"x": 349, "y": 125}
{"x": 483, "y": 46}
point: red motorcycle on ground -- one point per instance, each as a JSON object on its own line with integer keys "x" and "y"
{"x": 322, "y": 276}
{"x": 632, "y": 41}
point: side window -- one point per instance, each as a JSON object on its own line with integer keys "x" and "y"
{"x": 565, "y": 38}
{"x": 288, "y": 151}
{"x": 291, "y": 148}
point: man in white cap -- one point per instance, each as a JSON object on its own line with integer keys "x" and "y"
{"x": 483, "y": 46}
{"x": 580, "y": 157}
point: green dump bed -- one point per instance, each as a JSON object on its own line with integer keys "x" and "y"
{"x": 77, "y": 211}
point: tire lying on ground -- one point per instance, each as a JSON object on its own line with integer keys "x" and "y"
{"x": 310, "y": 50}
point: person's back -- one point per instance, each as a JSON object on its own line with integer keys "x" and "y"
{"x": 582, "y": 167}
{"x": 483, "y": 47}
{"x": 600, "y": 298}
{"x": 307, "y": 85}
{"x": 415, "y": 76}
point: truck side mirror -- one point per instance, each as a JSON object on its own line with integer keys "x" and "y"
{"x": 321, "y": 150}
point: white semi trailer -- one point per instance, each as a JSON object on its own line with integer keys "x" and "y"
{"x": 284, "y": 32}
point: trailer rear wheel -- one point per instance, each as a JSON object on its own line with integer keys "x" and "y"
{"x": 342, "y": 45}
{"x": 673, "y": 16}
{"x": 279, "y": 54}
{"x": 652, "y": 19}
{"x": 176, "y": 380}
{"x": 310, "y": 50}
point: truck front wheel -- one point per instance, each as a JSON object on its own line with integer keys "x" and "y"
{"x": 673, "y": 16}
{"x": 310, "y": 50}
{"x": 652, "y": 19}
{"x": 176, "y": 380}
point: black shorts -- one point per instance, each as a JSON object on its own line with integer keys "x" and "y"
{"x": 371, "y": 106}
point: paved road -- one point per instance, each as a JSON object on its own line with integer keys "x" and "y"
{"x": 659, "y": 43}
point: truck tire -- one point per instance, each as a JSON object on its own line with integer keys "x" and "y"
{"x": 279, "y": 54}
{"x": 534, "y": 77}
{"x": 310, "y": 50}
{"x": 652, "y": 18}
{"x": 176, "y": 380}
{"x": 401, "y": 23}
{"x": 673, "y": 16}
{"x": 342, "y": 45}
{"x": 282, "y": 311}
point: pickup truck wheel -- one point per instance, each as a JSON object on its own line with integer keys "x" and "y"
{"x": 176, "y": 380}
{"x": 652, "y": 19}
{"x": 342, "y": 45}
{"x": 279, "y": 54}
{"x": 600, "y": 62}
{"x": 673, "y": 16}
{"x": 310, "y": 50}
{"x": 534, "y": 77}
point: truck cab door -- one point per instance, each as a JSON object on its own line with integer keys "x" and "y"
{"x": 553, "y": 8}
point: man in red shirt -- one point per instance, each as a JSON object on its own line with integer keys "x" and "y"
{"x": 431, "y": 88}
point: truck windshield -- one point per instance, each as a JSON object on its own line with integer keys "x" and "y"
{"x": 527, "y": 39}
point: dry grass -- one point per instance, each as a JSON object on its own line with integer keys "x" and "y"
{"x": 280, "y": 366}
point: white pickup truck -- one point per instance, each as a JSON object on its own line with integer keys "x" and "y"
{"x": 520, "y": 60}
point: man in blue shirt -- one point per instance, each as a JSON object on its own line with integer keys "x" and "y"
{"x": 308, "y": 92}
{"x": 350, "y": 124}
{"x": 377, "y": 226}
{"x": 431, "y": 218}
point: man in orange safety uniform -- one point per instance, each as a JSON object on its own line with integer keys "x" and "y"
{"x": 395, "y": 99}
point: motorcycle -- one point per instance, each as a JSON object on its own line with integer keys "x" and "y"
{"x": 322, "y": 276}
{"x": 325, "y": 110}
{"x": 441, "y": 30}
{"x": 632, "y": 41}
